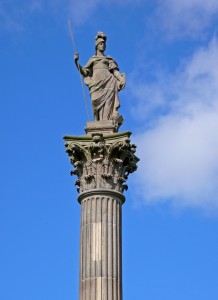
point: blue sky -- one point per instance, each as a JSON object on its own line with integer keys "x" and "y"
{"x": 169, "y": 52}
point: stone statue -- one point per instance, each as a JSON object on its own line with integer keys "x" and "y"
{"x": 101, "y": 75}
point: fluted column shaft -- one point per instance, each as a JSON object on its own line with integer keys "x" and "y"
{"x": 100, "y": 247}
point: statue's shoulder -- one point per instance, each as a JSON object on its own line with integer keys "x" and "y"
{"x": 90, "y": 61}
{"x": 92, "y": 58}
{"x": 110, "y": 58}
{"x": 112, "y": 63}
{"x": 95, "y": 57}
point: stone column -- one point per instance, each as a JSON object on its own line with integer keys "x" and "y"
{"x": 102, "y": 161}
{"x": 101, "y": 262}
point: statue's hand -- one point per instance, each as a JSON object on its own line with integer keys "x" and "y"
{"x": 76, "y": 57}
{"x": 122, "y": 82}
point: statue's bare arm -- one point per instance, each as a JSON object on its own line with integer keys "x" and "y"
{"x": 79, "y": 67}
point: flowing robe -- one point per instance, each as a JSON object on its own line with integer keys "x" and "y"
{"x": 103, "y": 86}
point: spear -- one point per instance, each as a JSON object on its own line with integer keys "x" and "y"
{"x": 81, "y": 79}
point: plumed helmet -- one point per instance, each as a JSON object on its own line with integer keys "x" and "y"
{"x": 100, "y": 37}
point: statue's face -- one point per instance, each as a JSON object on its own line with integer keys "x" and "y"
{"x": 101, "y": 46}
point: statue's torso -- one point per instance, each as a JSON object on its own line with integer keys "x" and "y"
{"x": 101, "y": 68}
{"x": 101, "y": 74}
{"x": 101, "y": 64}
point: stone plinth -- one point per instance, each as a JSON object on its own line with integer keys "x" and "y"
{"x": 102, "y": 162}
{"x": 104, "y": 126}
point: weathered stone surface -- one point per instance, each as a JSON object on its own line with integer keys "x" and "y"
{"x": 101, "y": 251}
{"x": 104, "y": 126}
{"x": 101, "y": 161}
{"x": 101, "y": 75}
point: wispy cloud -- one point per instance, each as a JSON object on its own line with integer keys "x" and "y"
{"x": 186, "y": 17}
{"x": 35, "y": 6}
{"x": 179, "y": 153}
{"x": 13, "y": 16}
{"x": 81, "y": 11}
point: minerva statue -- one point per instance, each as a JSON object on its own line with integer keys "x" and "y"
{"x": 101, "y": 75}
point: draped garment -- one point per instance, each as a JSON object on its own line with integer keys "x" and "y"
{"x": 103, "y": 86}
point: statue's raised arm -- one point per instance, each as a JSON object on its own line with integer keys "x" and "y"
{"x": 101, "y": 75}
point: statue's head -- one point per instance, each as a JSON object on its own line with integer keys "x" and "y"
{"x": 100, "y": 41}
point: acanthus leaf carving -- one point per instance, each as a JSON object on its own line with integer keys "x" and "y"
{"x": 102, "y": 161}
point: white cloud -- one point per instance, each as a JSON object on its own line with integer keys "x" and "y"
{"x": 187, "y": 16}
{"x": 179, "y": 153}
